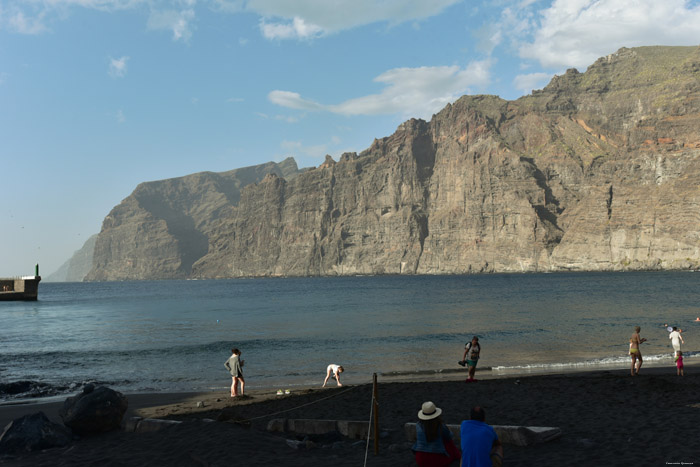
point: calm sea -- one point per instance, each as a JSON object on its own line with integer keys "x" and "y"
{"x": 176, "y": 335}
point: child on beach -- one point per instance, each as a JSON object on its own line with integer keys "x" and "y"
{"x": 336, "y": 370}
{"x": 235, "y": 366}
{"x": 679, "y": 363}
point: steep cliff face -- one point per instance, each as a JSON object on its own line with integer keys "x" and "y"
{"x": 598, "y": 171}
{"x": 163, "y": 227}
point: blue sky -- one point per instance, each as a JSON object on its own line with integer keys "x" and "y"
{"x": 97, "y": 96}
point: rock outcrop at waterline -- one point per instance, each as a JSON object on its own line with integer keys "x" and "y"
{"x": 598, "y": 171}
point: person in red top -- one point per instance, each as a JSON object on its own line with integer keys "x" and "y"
{"x": 679, "y": 363}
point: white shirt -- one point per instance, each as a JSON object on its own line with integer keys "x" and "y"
{"x": 675, "y": 337}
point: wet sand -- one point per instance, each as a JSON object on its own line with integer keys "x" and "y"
{"x": 607, "y": 418}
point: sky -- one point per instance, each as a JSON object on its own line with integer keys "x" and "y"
{"x": 97, "y": 96}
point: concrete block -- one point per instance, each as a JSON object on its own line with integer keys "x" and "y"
{"x": 514, "y": 435}
{"x": 310, "y": 427}
{"x": 526, "y": 435}
{"x": 353, "y": 429}
{"x": 347, "y": 428}
{"x": 129, "y": 424}
{"x": 277, "y": 425}
{"x": 148, "y": 425}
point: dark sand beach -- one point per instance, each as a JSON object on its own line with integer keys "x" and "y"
{"x": 607, "y": 418}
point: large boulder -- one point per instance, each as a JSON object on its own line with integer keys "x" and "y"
{"x": 33, "y": 433}
{"x": 95, "y": 410}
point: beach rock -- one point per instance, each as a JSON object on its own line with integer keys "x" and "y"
{"x": 95, "y": 410}
{"x": 33, "y": 433}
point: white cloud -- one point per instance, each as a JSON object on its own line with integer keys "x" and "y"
{"x": 526, "y": 83}
{"x": 298, "y": 29}
{"x": 117, "y": 67}
{"x": 31, "y": 16}
{"x": 279, "y": 19}
{"x": 304, "y": 19}
{"x": 177, "y": 21}
{"x": 3, "y": 77}
{"x": 574, "y": 33}
{"x": 410, "y": 92}
{"x": 293, "y": 100}
{"x": 121, "y": 118}
{"x": 19, "y": 22}
{"x": 234, "y": 100}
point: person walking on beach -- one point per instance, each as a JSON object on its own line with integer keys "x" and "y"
{"x": 471, "y": 357}
{"x": 676, "y": 340}
{"x": 480, "y": 444}
{"x": 434, "y": 446}
{"x": 235, "y": 366}
{"x": 679, "y": 363}
{"x": 635, "y": 353}
{"x": 336, "y": 370}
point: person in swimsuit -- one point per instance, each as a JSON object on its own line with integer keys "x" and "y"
{"x": 235, "y": 366}
{"x": 679, "y": 363}
{"x": 336, "y": 370}
{"x": 635, "y": 353}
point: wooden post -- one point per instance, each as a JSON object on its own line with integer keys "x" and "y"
{"x": 375, "y": 409}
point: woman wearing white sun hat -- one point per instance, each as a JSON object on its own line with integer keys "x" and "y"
{"x": 434, "y": 444}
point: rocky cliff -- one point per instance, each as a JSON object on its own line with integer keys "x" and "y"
{"x": 163, "y": 227}
{"x": 598, "y": 171}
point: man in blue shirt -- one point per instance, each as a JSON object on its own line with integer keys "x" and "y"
{"x": 480, "y": 444}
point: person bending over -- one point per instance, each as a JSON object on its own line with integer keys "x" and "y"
{"x": 334, "y": 369}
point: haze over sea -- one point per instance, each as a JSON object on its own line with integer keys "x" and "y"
{"x": 176, "y": 335}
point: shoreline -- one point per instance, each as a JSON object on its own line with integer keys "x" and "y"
{"x": 151, "y": 402}
{"x": 444, "y": 374}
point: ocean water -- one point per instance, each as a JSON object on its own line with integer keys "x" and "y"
{"x": 176, "y": 335}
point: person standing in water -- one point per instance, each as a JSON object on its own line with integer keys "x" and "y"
{"x": 471, "y": 357}
{"x": 635, "y": 353}
{"x": 235, "y": 366}
{"x": 676, "y": 340}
